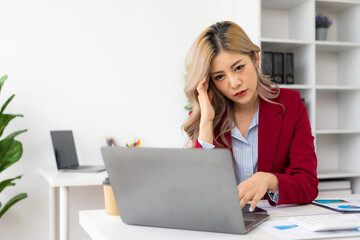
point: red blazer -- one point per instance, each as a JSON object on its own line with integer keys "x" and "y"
{"x": 286, "y": 148}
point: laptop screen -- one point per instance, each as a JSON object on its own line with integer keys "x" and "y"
{"x": 64, "y": 149}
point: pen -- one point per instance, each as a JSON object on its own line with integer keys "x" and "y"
{"x": 113, "y": 142}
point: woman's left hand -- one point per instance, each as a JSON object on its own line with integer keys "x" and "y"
{"x": 254, "y": 188}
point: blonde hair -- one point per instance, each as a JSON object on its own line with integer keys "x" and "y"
{"x": 222, "y": 36}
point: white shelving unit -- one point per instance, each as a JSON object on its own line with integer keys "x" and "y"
{"x": 326, "y": 75}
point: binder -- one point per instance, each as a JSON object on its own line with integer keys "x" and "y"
{"x": 278, "y": 69}
{"x": 267, "y": 64}
{"x": 289, "y": 68}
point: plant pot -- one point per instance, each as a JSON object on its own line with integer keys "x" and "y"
{"x": 321, "y": 34}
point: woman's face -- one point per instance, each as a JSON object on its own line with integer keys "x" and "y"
{"x": 234, "y": 75}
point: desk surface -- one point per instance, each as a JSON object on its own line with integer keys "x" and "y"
{"x": 99, "y": 226}
{"x": 59, "y": 179}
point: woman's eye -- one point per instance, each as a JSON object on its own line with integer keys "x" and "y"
{"x": 218, "y": 77}
{"x": 239, "y": 68}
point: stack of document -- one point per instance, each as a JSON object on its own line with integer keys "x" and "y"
{"x": 297, "y": 218}
{"x": 286, "y": 229}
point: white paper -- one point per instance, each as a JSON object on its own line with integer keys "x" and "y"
{"x": 288, "y": 210}
{"x": 286, "y": 230}
{"x": 340, "y": 204}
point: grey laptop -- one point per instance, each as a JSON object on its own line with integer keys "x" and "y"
{"x": 191, "y": 189}
{"x": 65, "y": 153}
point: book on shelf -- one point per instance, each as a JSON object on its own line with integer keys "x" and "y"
{"x": 267, "y": 64}
{"x": 279, "y": 66}
{"x": 289, "y": 68}
{"x": 278, "y": 69}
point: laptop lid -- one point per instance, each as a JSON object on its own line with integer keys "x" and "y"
{"x": 191, "y": 189}
{"x": 64, "y": 149}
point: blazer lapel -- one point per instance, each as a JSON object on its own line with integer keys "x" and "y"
{"x": 270, "y": 122}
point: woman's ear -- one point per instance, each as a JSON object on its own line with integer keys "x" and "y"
{"x": 257, "y": 58}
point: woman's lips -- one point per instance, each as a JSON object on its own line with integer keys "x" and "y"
{"x": 241, "y": 93}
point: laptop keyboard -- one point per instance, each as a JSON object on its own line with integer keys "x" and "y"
{"x": 247, "y": 222}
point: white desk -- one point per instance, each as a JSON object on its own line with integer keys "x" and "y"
{"x": 62, "y": 181}
{"x": 102, "y": 227}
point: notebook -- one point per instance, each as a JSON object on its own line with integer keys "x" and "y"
{"x": 192, "y": 189}
{"x": 65, "y": 153}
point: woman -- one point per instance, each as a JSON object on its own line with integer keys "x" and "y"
{"x": 235, "y": 106}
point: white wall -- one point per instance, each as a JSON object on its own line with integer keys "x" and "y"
{"x": 100, "y": 68}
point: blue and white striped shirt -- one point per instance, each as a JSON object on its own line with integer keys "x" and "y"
{"x": 245, "y": 151}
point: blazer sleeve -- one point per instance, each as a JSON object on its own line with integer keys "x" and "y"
{"x": 299, "y": 183}
{"x": 198, "y": 145}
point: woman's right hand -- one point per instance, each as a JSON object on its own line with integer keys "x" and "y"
{"x": 206, "y": 108}
{"x": 207, "y": 111}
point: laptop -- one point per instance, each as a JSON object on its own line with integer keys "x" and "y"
{"x": 191, "y": 189}
{"x": 65, "y": 153}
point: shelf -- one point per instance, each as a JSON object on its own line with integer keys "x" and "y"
{"x": 279, "y": 44}
{"x": 336, "y": 131}
{"x": 336, "y": 109}
{"x": 285, "y": 41}
{"x": 325, "y": 174}
{"x": 281, "y": 4}
{"x": 325, "y": 74}
{"x": 344, "y": 15}
{"x": 335, "y": 46}
{"x": 295, "y": 86}
{"x": 336, "y": 88}
{"x": 285, "y": 19}
{"x": 303, "y": 55}
{"x": 322, "y": 46}
{"x": 334, "y": 6}
{"x": 338, "y": 68}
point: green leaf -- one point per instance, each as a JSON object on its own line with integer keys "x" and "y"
{"x": 2, "y": 80}
{"x": 10, "y": 152}
{"x": 6, "y": 103}
{"x": 12, "y": 202}
{"x": 14, "y": 134}
{"x": 7, "y": 183}
{"x": 188, "y": 107}
{"x": 3, "y": 163}
{"x": 5, "y": 119}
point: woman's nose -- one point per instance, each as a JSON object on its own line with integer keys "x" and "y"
{"x": 234, "y": 81}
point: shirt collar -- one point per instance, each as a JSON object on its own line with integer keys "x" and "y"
{"x": 236, "y": 132}
{"x": 255, "y": 120}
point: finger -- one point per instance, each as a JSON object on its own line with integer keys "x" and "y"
{"x": 241, "y": 191}
{"x": 201, "y": 88}
{"x": 211, "y": 95}
{"x": 206, "y": 84}
{"x": 254, "y": 202}
{"x": 241, "y": 194}
{"x": 244, "y": 200}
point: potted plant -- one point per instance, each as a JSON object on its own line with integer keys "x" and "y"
{"x": 322, "y": 24}
{"x": 10, "y": 152}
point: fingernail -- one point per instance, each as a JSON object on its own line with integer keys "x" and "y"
{"x": 205, "y": 77}
{"x": 251, "y": 209}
